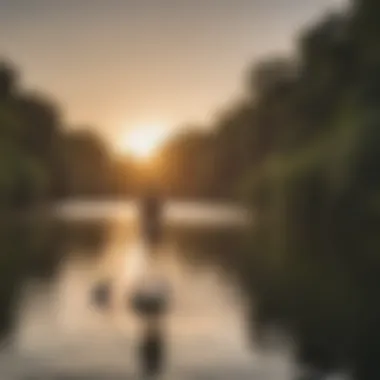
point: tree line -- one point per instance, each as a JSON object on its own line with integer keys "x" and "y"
{"x": 43, "y": 159}
{"x": 307, "y": 143}
{"x": 302, "y": 148}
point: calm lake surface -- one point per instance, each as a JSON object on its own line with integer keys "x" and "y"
{"x": 50, "y": 330}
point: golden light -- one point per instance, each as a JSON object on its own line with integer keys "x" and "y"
{"x": 143, "y": 142}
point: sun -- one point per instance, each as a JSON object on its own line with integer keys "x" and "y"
{"x": 142, "y": 142}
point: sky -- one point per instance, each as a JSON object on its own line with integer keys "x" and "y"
{"x": 115, "y": 65}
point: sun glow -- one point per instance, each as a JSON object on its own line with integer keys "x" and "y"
{"x": 143, "y": 141}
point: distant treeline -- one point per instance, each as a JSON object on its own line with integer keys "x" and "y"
{"x": 44, "y": 159}
{"x": 40, "y": 157}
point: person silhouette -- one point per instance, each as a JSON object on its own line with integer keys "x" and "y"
{"x": 151, "y": 219}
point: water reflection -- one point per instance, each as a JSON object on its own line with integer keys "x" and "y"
{"x": 49, "y": 273}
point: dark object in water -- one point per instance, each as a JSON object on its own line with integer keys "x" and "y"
{"x": 101, "y": 295}
{"x": 152, "y": 352}
{"x": 149, "y": 306}
{"x": 151, "y": 301}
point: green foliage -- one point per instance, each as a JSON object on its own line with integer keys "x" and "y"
{"x": 316, "y": 264}
{"x": 39, "y": 159}
{"x": 303, "y": 148}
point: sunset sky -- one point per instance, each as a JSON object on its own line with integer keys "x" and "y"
{"x": 118, "y": 64}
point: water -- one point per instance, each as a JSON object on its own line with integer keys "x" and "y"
{"x": 49, "y": 267}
